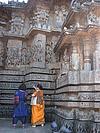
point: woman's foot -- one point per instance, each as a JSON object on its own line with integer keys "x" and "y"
{"x": 42, "y": 125}
{"x": 23, "y": 125}
{"x": 33, "y": 125}
{"x": 14, "y": 125}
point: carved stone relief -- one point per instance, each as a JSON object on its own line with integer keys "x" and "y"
{"x": 40, "y": 18}
{"x": 92, "y": 18}
{"x": 60, "y": 15}
{"x": 87, "y": 53}
{"x": 49, "y": 53}
{"x": 75, "y": 4}
{"x": 14, "y": 53}
{"x": 65, "y": 63}
{"x": 96, "y": 54}
{"x": 24, "y": 54}
{"x": 26, "y": 26}
{"x": 75, "y": 59}
{"x": 97, "y": 116}
{"x": 38, "y": 51}
{"x": 17, "y": 24}
{"x": 69, "y": 114}
{"x": 2, "y": 29}
{"x": 86, "y": 96}
{"x": 1, "y": 53}
{"x": 85, "y": 115}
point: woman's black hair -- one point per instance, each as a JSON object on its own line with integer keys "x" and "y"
{"x": 40, "y": 86}
{"x": 22, "y": 86}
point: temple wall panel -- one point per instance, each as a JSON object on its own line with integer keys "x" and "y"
{"x": 13, "y": 53}
{"x": 37, "y": 51}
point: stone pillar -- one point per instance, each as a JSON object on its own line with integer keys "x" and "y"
{"x": 74, "y": 56}
{"x": 65, "y": 63}
{"x": 1, "y": 53}
{"x": 96, "y": 54}
{"x": 87, "y": 58}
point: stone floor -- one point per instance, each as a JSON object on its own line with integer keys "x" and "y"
{"x": 6, "y": 127}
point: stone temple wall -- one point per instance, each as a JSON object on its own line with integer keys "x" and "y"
{"x": 27, "y": 41}
{"x": 59, "y": 48}
{"x": 77, "y": 101}
{"x": 77, "y": 95}
{"x": 10, "y": 81}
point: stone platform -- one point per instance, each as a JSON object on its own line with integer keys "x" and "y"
{"x": 6, "y": 127}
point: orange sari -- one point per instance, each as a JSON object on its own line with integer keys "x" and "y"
{"x": 37, "y": 117}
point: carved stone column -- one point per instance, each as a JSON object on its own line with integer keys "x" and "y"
{"x": 75, "y": 55}
{"x": 65, "y": 63}
{"x": 1, "y": 53}
{"x": 96, "y": 55}
{"x": 87, "y": 58}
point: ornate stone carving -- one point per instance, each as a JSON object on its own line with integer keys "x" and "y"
{"x": 96, "y": 54}
{"x": 60, "y": 14}
{"x": 54, "y": 42}
{"x": 14, "y": 53}
{"x": 1, "y": 53}
{"x": 87, "y": 57}
{"x": 40, "y": 18}
{"x": 97, "y": 116}
{"x": 65, "y": 63}
{"x": 38, "y": 51}
{"x": 75, "y": 4}
{"x": 92, "y": 18}
{"x": 86, "y": 96}
{"x": 17, "y": 24}
{"x": 24, "y": 53}
{"x": 86, "y": 115}
{"x": 49, "y": 53}
{"x": 74, "y": 59}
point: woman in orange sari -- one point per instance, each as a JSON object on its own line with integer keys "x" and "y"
{"x": 37, "y": 103}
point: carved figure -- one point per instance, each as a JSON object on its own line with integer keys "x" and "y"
{"x": 92, "y": 19}
{"x": 75, "y": 4}
{"x": 48, "y": 53}
{"x": 40, "y": 19}
{"x": 60, "y": 16}
{"x": 65, "y": 63}
{"x": 75, "y": 59}
{"x": 17, "y": 25}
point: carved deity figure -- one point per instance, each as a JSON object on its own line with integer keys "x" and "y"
{"x": 92, "y": 18}
{"x": 23, "y": 56}
{"x": 75, "y": 4}
{"x": 13, "y": 57}
{"x": 38, "y": 50}
{"x": 17, "y": 24}
{"x": 59, "y": 20}
{"x": 49, "y": 53}
{"x": 60, "y": 14}
{"x": 40, "y": 19}
{"x": 75, "y": 59}
{"x": 65, "y": 63}
{"x": 14, "y": 53}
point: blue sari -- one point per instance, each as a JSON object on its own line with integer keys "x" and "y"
{"x": 20, "y": 109}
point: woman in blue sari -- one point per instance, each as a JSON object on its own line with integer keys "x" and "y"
{"x": 20, "y": 106}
